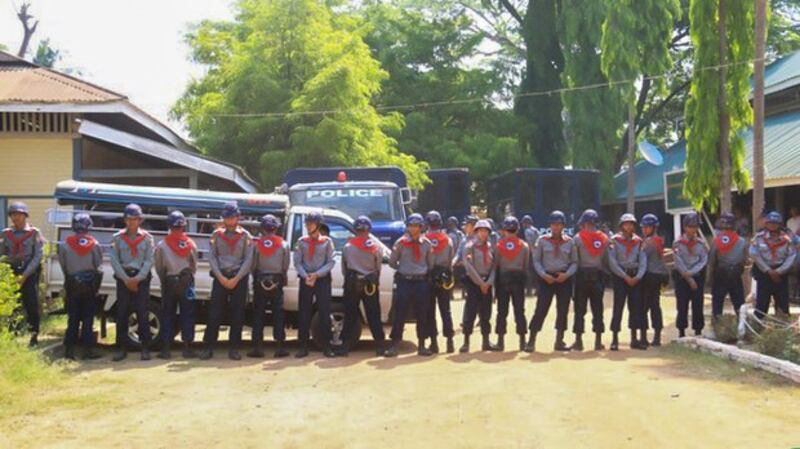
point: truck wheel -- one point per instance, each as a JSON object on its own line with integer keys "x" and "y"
{"x": 337, "y": 325}
{"x": 153, "y": 318}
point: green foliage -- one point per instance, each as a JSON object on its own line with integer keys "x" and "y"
{"x": 45, "y": 55}
{"x": 703, "y": 171}
{"x": 296, "y": 56}
{"x": 9, "y": 298}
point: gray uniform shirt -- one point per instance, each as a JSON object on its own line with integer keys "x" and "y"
{"x": 122, "y": 256}
{"x": 71, "y": 262}
{"x": 456, "y": 236}
{"x": 30, "y": 252}
{"x": 480, "y": 264}
{"x": 405, "y": 262}
{"x": 321, "y": 263}
{"x": 780, "y": 257}
{"x": 443, "y": 258}
{"x": 622, "y": 258}
{"x": 224, "y": 257}
{"x": 167, "y": 263}
{"x": 689, "y": 260}
{"x": 531, "y": 236}
{"x": 655, "y": 259}
{"x": 585, "y": 257}
{"x": 736, "y": 256}
{"x": 458, "y": 260}
{"x": 520, "y": 262}
{"x": 548, "y": 260}
{"x": 361, "y": 261}
{"x": 275, "y": 263}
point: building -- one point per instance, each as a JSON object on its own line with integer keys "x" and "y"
{"x": 54, "y": 126}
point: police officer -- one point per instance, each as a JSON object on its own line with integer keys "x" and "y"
{"x": 132, "y": 258}
{"x": 412, "y": 257}
{"x": 656, "y": 276}
{"x": 494, "y": 237}
{"x": 176, "y": 265}
{"x": 480, "y": 263}
{"x": 726, "y": 262}
{"x": 773, "y": 256}
{"x": 513, "y": 262}
{"x": 628, "y": 263}
{"x": 691, "y": 256}
{"x": 592, "y": 250}
{"x": 80, "y": 257}
{"x": 313, "y": 260}
{"x": 458, "y": 263}
{"x": 22, "y": 245}
{"x": 442, "y": 281}
{"x": 530, "y": 234}
{"x": 362, "y": 260}
{"x": 271, "y": 257}
{"x": 231, "y": 257}
{"x": 555, "y": 260}
{"x": 455, "y": 234}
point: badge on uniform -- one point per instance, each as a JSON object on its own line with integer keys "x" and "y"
{"x": 597, "y": 244}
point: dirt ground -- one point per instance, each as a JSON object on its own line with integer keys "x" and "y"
{"x": 666, "y": 397}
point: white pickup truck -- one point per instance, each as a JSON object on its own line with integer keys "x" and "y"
{"x": 340, "y": 228}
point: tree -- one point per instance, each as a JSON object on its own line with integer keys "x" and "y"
{"x": 46, "y": 55}
{"x": 289, "y": 83}
{"x": 718, "y": 109}
{"x": 28, "y": 29}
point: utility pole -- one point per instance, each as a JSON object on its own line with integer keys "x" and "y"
{"x": 758, "y": 111}
{"x": 631, "y": 161}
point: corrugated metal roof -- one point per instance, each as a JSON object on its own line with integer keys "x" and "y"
{"x": 781, "y": 158}
{"x": 782, "y": 73}
{"x": 20, "y": 84}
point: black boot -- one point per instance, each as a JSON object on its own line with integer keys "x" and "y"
{"x": 165, "y": 353}
{"x": 598, "y": 341}
{"x": 434, "y": 348}
{"x": 615, "y": 342}
{"x": 559, "y": 344}
{"x": 328, "y": 352}
{"x": 643, "y": 339}
{"x": 145, "y": 354}
{"x": 501, "y": 343}
{"x": 578, "y": 345}
{"x": 422, "y": 350}
{"x": 391, "y": 351}
{"x": 281, "y": 351}
{"x": 303, "y": 352}
{"x": 698, "y": 333}
{"x": 34, "y": 341}
{"x": 465, "y": 347}
{"x": 681, "y": 333}
{"x": 531, "y": 346}
{"x": 656, "y": 338}
{"x": 521, "y": 342}
{"x": 206, "y": 354}
{"x": 120, "y": 355}
{"x": 634, "y": 340}
{"x": 487, "y": 345}
{"x": 234, "y": 355}
{"x": 256, "y": 352}
{"x": 69, "y": 352}
{"x": 90, "y": 354}
{"x": 380, "y": 351}
{"x": 450, "y": 345}
{"x": 188, "y": 353}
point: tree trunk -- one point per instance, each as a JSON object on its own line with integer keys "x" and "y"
{"x": 27, "y": 28}
{"x": 758, "y": 111}
{"x": 724, "y": 117}
{"x": 631, "y": 161}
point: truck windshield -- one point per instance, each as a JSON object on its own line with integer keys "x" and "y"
{"x": 381, "y": 204}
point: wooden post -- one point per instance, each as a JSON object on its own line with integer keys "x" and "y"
{"x": 758, "y": 111}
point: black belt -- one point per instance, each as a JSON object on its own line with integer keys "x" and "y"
{"x": 18, "y": 266}
{"x": 131, "y": 272}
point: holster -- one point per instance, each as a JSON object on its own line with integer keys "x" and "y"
{"x": 269, "y": 283}
{"x": 84, "y": 284}
{"x": 180, "y": 282}
{"x": 442, "y": 278}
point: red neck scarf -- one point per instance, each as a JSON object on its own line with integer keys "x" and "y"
{"x": 82, "y": 244}
{"x": 509, "y": 247}
{"x": 725, "y": 241}
{"x": 313, "y": 243}
{"x": 658, "y": 241}
{"x": 233, "y": 241}
{"x": 364, "y": 243}
{"x": 628, "y": 244}
{"x": 415, "y": 245}
{"x": 593, "y": 241}
{"x": 773, "y": 247}
{"x": 179, "y": 243}
{"x": 268, "y": 244}
{"x": 556, "y": 243}
{"x": 438, "y": 240}
{"x": 689, "y": 243}
{"x": 484, "y": 247}
{"x": 18, "y": 243}
{"x": 133, "y": 245}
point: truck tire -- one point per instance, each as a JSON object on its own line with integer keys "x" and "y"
{"x": 337, "y": 323}
{"x": 154, "y": 318}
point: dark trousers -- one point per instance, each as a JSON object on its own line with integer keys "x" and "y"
{"x": 624, "y": 293}
{"x": 321, "y": 292}
{"x": 480, "y": 305}
{"x": 723, "y": 286}
{"x": 80, "y": 314}
{"x": 563, "y": 293}
{"x": 651, "y": 297}
{"x": 128, "y": 301}
{"x": 416, "y": 292}
{"x": 513, "y": 293}
{"x": 275, "y": 300}
{"x": 372, "y": 308}
{"x": 441, "y": 297}
{"x": 768, "y": 289}
{"x": 684, "y": 296}
{"x": 29, "y": 297}
{"x": 175, "y": 297}
{"x": 589, "y": 288}
{"x": 235, "y": 302}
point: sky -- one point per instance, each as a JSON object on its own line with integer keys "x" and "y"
{"x": 133, "y": 47}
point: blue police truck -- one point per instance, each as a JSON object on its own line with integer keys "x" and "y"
{"x": 538, "y": 191}
{"x": 381, "y": 193}
{"x": 448, "y": 193}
